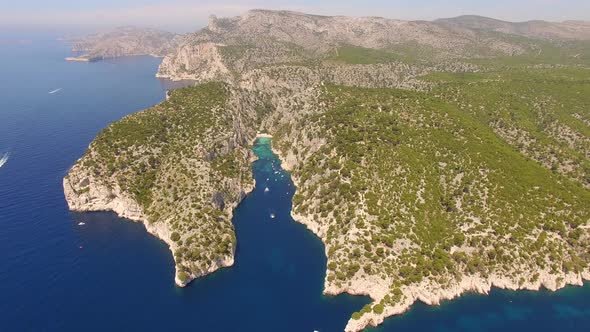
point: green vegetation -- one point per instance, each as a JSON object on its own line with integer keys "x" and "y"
{"x": 180, "y": 161}
{"x": 360, "y": 55}
{"x": 378, "y": 308}
{"x": 485, "y": 174}
{"x": 408, "y": 52}
{"x": 479, "y": 167}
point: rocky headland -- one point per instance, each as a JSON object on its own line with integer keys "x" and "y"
{"x": 123, "y": 41}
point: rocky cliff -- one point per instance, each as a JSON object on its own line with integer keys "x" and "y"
{"x": 201, "y": 62}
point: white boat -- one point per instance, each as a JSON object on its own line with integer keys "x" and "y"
{"x": 4, "y": 159}
{"x": 81, "y": 223}
{"x": 54, "y": 91}
{"x": 272, "y": 216}
{"x": 266, "y": 190}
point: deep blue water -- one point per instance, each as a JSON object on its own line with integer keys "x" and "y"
{"x": 110, "y": 275}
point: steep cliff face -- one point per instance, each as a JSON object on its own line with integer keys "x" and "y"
{"x": 84, "y": 192}
{"x": 201, "y": 62}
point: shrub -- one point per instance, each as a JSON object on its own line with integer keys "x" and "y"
{"x": 378, "y": 309}
{"x": 183, "y": 276}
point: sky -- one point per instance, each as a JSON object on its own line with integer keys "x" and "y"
{"x": 190, "y": 15}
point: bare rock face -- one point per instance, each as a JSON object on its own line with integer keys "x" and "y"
{"x": 85, "y": 193}
{"x": 201, "y": 62}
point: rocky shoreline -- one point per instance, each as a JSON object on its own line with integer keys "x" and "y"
{"x": 428, "y": 292}
{"x": 101, "y": 198}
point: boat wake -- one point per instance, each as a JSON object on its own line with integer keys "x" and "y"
{"x": 4, "y": 159}
{"x": 55, "y": 91}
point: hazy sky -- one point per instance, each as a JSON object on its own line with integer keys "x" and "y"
{"x": 189, "y": 15}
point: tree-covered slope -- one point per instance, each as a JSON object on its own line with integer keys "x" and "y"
{"x": 425, "y": 195}
{"x": 186, "y": 165}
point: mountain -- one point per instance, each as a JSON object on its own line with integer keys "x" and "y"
{"x": 124, "y": 41}
{"x": 431, "y": 158}
{"x": 262, "y": 37}
{"x": 572, "y": 30}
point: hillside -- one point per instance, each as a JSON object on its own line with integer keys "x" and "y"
{"x": 180, "y": 167}
{"x": 431, "y": 158}
{"x": 228, "y": 47}
{"x": 572, "y": 30}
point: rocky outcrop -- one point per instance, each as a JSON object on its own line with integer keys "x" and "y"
{"x": 85, "y": 193}
{"x": 201, "y": 62}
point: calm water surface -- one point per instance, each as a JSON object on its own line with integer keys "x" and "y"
{"x": 110, "y": 275}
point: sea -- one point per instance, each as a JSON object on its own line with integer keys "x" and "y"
{"x": 109, "y": 274}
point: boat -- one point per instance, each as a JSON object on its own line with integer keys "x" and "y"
{"x": 266, "y": 190}
{"x": 4, "y": 159}
{"x": 54, "y": 91}
{"x": 272, "y": 216}
{"x": 81, "y": 223}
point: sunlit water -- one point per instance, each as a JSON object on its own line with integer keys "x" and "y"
{"x": 110, "y": 275}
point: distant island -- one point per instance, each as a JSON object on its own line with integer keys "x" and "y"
{"x": 432, "y": 158}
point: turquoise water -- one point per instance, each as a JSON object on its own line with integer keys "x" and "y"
{"x": 110, "y": 275}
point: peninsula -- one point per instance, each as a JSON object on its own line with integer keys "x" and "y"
{"x": 123, "y": 41}
{"x": 431, "y": 158}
